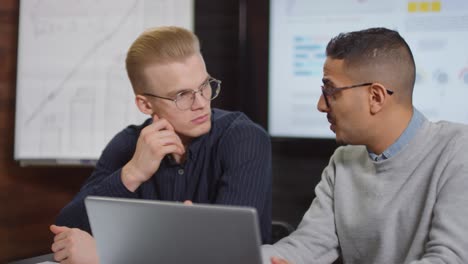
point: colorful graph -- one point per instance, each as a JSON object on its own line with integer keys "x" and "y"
{"x": 463, "y": 75}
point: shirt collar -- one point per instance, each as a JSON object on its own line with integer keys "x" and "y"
{"x": 415, "y": 123}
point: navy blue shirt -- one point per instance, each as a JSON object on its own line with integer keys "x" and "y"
{"x": 230, "y": 165}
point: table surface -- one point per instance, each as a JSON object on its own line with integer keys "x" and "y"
{"x": 34, "y": 260}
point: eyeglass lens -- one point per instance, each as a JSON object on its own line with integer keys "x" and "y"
{"x": 209, "y": 91}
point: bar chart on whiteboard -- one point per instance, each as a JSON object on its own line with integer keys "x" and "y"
{"x": 73, "y": 93}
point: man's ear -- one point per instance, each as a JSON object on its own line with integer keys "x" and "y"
{"x": 143, "y": 105}
{"x": 377, "y": 96}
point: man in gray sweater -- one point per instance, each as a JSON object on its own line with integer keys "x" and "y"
{"x": 398, "y": 192}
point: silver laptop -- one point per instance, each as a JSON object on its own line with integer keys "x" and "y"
{"x": 147, "y": 231}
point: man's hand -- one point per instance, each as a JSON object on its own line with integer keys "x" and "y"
{"x": 73, "y": 246}
{"x": 155, "y": 141}
{"x": 275, "y": 260}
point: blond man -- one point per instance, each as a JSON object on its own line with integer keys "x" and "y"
{"x": 185, "y": 151}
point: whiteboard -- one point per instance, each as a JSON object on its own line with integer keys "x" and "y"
{"x": 73, "y": 94}
{"x": 436, "y": 32}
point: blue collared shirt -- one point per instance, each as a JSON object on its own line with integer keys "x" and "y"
{"x": 415, "y": 123}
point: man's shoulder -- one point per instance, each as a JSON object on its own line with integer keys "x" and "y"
{"x": 136, "y": 129}
{"x": 226, "y": 120}
{"x": 350, "y": 154}
{"x": 451, "y": 136}
{"x": 222, "y": 117}
{"x": 227, "y": 124}
{"x": 446, "y": 132}
{"x": 452, "y": 128}
{"x": 350, "y": 150}
{"x": 131, "y": 132}
{"x": 121, "y": 147}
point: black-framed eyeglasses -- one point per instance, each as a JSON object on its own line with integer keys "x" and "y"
{"x": 183, "y": 100}
{"x": 330, "y": 91}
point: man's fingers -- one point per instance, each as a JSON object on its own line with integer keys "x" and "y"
{"x": 60, "y": 236}
{"x": 162, "y": 133}
{"x": 61, "y": 232}
{"x": 58, "y": 245}
{"x": 58, "y": 229}
{"x": 161, "y": 129}
{"x": 61, "y": 255}
{"x": 170, "y": 149}
{"x": 161, "y": 124}
{"x": 275, "y": 260}
{"x": 155, "y": 117}
{"x": 188, "y": 202}
{"x": 169, "y": 140}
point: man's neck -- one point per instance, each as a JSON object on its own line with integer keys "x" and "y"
{"x": 389, "y": 130}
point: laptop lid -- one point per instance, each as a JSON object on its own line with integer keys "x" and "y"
{"x": 147, "y": 231}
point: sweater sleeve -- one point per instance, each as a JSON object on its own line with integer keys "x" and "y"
{"x": 315, "y": 239}
{"x": 246, "y": 180}
{"x": 104, "y": 181}
{"x": 448, "y": 235}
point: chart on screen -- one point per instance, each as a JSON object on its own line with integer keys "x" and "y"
{"x": 436, "y": 31}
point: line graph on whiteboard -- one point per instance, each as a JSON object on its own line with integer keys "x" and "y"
{"x": 73, "y": 93}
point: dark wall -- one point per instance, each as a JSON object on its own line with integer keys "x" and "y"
{"x": 234, "y": 37}
{"x": 29, "y": 197}
{"x": 297, "y": 163}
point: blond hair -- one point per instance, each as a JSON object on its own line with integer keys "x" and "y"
{"x": 158, "y": 46}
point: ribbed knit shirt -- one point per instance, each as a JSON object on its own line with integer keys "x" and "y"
{"x": 230, "y": 165}
{"x": 409, "y": 208}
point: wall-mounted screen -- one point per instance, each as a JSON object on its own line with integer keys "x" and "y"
{"x": 437, "y": 32}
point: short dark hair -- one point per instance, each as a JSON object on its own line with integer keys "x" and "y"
{"x": 377, "y": 48}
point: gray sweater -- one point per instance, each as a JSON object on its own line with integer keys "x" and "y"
{"x": 410, "y": 208}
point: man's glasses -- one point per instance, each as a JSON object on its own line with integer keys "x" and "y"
{"x": 327, "y": 92}
{"x": 184, "y": 100}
